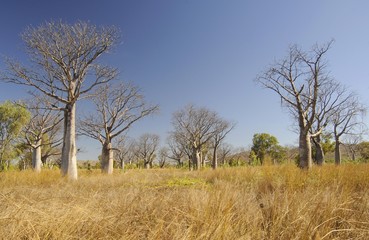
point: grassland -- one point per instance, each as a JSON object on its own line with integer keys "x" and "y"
{"x": 271, "y": 202}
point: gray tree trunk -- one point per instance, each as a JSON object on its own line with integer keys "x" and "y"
{"x": 319, "y": 157}
{"x": 319, "y": 154}
{"x": 337, "y": 152}
{"x": 196, "y": 158}
{"x": 202, "y": 159}
{"x": 69, "y": 150}
{"x": 215, "y": 158}
{"x": 147, "y": 165}
{"x": 122, "y": 164}
{"x": 305, "y": 150}
{"x": 36, "y": 157}
{"x": 107, "y": 158}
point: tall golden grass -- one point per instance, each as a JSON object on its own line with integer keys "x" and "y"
{"x": 271, "y": 202}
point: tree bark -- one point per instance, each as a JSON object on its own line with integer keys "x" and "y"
{"x": 69, "y": 150}
{"x": 196, "y": 158}
{"x": 337, "y": 152}
{"x": 319, "y": 156}
{"x": 352, "y": 152}
{"x": 305, "y": 150}
{"x": 147, "y": 165}
{"x": 122, "y": 164}
{"x": 107, "y": 158}
{"x": 36, "y": 157}
{"x": 215, "y": 158}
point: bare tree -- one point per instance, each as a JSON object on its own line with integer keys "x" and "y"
{"x": 297, "y": 80}
{"x": 125, "y": 150}
{"x": 194, "y": 127}
{"x": 222, "y": 128}
{"x": 146, "y": 147}
{"x": 224, "y": 151}
{"x": 351, "y": 143}
{"x": 52, "y": 147}
{"x": 118, "y": 107}
{"x": 163, "y": 157}
{"x": 176, "y": 150}
{"x": 64, "y": 67}
{"x": 43, "y": 123}
{"x": 331, "y": 96}
{"x": 347, "y": 120}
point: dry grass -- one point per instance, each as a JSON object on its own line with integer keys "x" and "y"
{"x": 240, "y": 203}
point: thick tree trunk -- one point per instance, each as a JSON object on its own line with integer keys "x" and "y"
{"x": 196, "y": 159}
{"x": 215, "y": 158}
{"x": 146, "y": 165}
{"x": 122, "y": 164}
{"x": 69, "y": 150}
{"x": 319, "y": 157}
{"x": 36, "y": 157}
{"x": 203, "y": 159}
{"x": 107, "y": 158}
{"x": 337, "y": 152}
{"x": 305, "y": 150}
{"x": 319, "y": 154}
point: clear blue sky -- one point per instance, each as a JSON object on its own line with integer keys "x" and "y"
{"x": 206, "y": 52}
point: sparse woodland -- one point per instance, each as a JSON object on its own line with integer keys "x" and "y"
{"x": 191, "y": 185}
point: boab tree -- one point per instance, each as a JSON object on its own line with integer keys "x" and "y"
{"x": 297, "y": 80}
{"x": 146, "y": 147}
{"x": 64, "y": 67}
{"x": 222, "y": 128}
{"x": 125, "y": 151}
{"x": 195, "y": 128}
{"x": 224, "y": 151}
{"x": 43, "y": 122}
{"x": 347, "y": 120}
{"x": 331, "y": 96}
{"x": 176, "y": 150}
{"x": 118, "y": 107}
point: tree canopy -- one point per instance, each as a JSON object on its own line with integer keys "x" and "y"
{"x": 13, "y": 118}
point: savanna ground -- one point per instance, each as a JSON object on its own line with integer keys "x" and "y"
{"x": 270, "y": 202}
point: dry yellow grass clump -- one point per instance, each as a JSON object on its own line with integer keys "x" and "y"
{"x": 271, "y": 202}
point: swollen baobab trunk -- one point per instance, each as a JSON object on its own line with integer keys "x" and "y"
{"x": 305, "y": 150}
{"x": 107, "y": 158}
{"x": 36, "y": 157}
{"x": 69, "y": 150}
{"x": 196, "y": 159}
